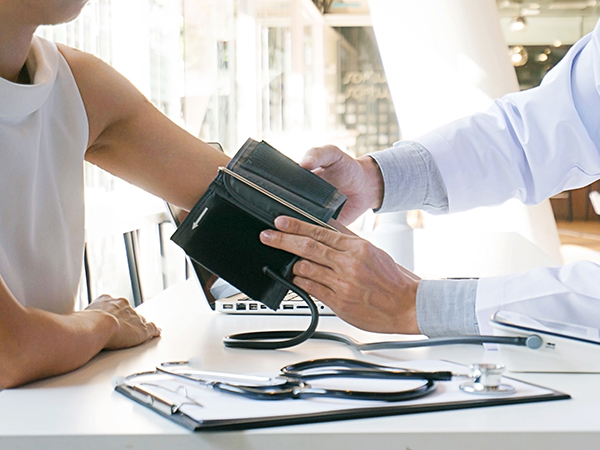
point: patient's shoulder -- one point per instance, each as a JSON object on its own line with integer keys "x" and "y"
{"x": 107, "y": 95}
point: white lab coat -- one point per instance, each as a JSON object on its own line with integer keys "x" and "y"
{"x": 531, "y": 145}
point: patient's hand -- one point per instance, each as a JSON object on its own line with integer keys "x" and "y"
{"x": 132, "y": 329}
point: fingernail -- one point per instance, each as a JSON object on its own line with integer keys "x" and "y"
{"x": 282, "y": 223}
{"x": 266, "y": 235}
{"x": 308, "y": 160}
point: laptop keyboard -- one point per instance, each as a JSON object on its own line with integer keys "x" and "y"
{"x": 246, "y": 303}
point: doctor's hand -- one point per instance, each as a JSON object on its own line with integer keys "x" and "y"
{"x": 362, "y": 284}
{"x": 130, "y": 329}
{"x": 359, "y": 179}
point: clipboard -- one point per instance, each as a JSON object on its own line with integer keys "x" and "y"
{"x": 226, "y": 412}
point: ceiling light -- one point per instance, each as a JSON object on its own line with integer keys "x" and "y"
{"x": 542, "y": 57}
{"x": 518, "y": 56}
{"x": 557, "y": 43}
{"x": 518, "y": 23}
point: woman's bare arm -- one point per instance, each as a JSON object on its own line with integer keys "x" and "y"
{"x": 36, "y": 344}
{"x": 133, "y": 140}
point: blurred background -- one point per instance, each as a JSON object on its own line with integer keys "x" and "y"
{"x": 296, "y": 73}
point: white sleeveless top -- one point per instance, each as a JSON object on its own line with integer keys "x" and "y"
{"x": 43, "y": 138}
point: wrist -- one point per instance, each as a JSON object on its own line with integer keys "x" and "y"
{"x": 103, "y": 325}
{"x": 374, "y": 187}
{"x": 410, "y": 323}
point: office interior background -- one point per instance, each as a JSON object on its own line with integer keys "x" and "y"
{"x": 296, "y": 73}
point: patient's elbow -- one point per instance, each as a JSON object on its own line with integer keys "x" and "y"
{"x": 13, "y": 370}
{"x": 10, "y": 376}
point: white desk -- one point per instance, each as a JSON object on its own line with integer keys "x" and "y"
{"x": 80, "y": 409}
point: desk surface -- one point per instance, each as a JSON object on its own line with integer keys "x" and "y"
{"x": 81, "y": 410}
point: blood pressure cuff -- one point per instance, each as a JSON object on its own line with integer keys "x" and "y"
{"x": 222, "y": 230}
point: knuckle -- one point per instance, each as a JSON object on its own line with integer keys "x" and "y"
{"x": 121, "y": 301}
{"x": 363, "y": 247}
{"x": 307, "y": 246}
{"x": 319, "y": 233}
{"x": 353, "y": 269}
{"x": 344, "y": 289}
{"x": 277, "y": 238}
{"x": 338, "y": 258}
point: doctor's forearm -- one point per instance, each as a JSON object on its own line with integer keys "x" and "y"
{"x": 413, "y": 181}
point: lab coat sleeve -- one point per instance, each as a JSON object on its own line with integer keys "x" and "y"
{"x": 529, "y": 145}
{"x": 567, "y": 294}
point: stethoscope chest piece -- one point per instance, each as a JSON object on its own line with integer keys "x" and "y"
{"x": 486, "y": 379}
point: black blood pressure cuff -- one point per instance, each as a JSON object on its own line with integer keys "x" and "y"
{"x": 222, "y": 230}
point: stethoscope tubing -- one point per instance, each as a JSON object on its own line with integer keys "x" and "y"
{"x": 295, "y": 383}
{"x": 351, "y": 368}
{"x": 296, "y": 389}
{"x": 272, "y": 340}
{"x": 250, "y": 339}
{"x": 278, "y": 339}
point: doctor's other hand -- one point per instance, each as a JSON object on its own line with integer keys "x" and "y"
{"x": 130, "y": 328}
{"x": 359, "y": 179}
{"x": 361, "y": 283}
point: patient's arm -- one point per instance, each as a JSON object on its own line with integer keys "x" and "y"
{"x": 133, "y": 140}
{"x": 36, "y": 344}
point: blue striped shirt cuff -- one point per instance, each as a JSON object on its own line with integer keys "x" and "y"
{"x": 447, "y": 307}
{"x": 411, "y": 179}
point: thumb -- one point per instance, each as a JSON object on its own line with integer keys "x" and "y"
{"x": 324, "y": 156}
{"x": 337, "y": 224}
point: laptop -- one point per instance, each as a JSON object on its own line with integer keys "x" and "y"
{"x": 225, "y": 298}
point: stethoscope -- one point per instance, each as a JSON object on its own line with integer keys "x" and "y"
{"x": 269, "y": 340}
{"x": 294, "y": 380}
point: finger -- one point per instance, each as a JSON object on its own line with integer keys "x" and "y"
{"x": 321, "y": 157}
{"x": 153, "y": 330}
{"x": 302, "y": 246}
{"x": 319, "y": 273}
{"x": 316, "y": 290}
{"x": 318, "y": 233}
{"x": 101, "y": 298}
